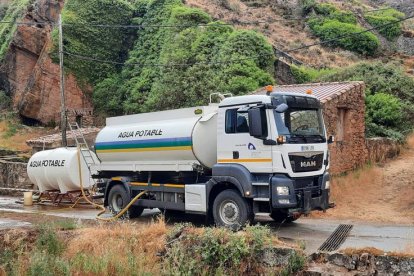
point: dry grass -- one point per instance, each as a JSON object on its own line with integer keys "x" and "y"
{"x": 17, "y": 141}
{"x": 376, "y": 252}
{"x": 133, "y": 247}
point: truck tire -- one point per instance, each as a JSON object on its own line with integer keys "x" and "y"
{"x": 231, "y": 210}
{"x": 118, "y": 198}
{"x": 279, "y": 216}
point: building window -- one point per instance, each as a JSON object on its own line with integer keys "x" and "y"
{"x": 341, "y": 124}
{"x": 237, "y": 121}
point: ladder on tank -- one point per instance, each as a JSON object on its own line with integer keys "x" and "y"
{"x": 82, "y": 145}
{"x": 85, "y": 153}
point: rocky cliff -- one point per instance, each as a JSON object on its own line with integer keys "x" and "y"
{"x": 28, "y": 74}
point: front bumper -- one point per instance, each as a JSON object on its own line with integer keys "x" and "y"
{"x": 305, "y": 194}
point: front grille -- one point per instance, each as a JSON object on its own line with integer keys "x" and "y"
{"x": 308, "y": 184}
{"x": 306, "y": 163}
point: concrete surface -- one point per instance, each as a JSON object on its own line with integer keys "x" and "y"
{"x": 312, "y": 232}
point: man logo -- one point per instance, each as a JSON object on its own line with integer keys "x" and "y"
{"x": 308, "y": 164}
{"x": 250, "y": 146}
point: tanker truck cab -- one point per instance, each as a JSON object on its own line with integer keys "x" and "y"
{"x": 278, "y": 144}
{"x": 246, "y": 156}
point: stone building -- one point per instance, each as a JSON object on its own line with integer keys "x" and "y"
{"x": 344, "y": 115}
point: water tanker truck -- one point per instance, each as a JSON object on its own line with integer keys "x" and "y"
{"x": 245, "y": 156}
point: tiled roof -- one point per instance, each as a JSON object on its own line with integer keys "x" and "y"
{"x": 52, "y": 138}
{"x": 323, "y": 91}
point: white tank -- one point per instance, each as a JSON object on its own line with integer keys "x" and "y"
{"x": 182, "y": 135}
{"x": 58, "y": 169}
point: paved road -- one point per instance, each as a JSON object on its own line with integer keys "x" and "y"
{"x": 313, "y": 232}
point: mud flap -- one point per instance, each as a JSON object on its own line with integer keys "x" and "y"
{"x": 307, "y": 202}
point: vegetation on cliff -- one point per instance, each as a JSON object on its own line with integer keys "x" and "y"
{"x": 390, "y": 97}
{"x": 384, "y": 17}
{"x": 84, "y": 35}
{"x": 389, "y": 90}
{"x": 10, "y": 13}
{"x": 328, "y": 22}
{"x": 179, "y": 55}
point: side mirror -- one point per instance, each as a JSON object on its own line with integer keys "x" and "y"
{"x": 257, "y": 123}
{"x": 331, "y": 139}
{"x": 281, "y": 108}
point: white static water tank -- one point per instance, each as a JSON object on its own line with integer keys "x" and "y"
{"x": 58, "y": 169}
{"x": 160, "y": 137}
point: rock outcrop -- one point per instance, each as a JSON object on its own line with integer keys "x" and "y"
{"x": 28, "y": 73}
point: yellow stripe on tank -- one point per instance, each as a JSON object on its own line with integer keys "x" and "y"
{"x": 245, "y": 160}
{"x": 157, "y": 185}
{"x": 144, "y": 149}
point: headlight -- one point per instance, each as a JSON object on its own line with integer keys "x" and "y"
{"x": 282, "y": 190}
{"x": 327, "y": 184}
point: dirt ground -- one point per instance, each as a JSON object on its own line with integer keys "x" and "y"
{"x": 17, "y": 141}
{"x": 381, "y": 193}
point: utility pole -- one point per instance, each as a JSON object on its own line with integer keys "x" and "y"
{"x": 62, "y": 87}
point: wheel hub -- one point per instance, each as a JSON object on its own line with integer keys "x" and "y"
{"x": 117, "y": 202}
{"x": 229, "y": 212}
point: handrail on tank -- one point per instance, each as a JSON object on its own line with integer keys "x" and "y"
{"x": 220, "y": 96}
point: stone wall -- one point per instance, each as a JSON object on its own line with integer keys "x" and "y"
{"x": 380, "y": 149}
{"x": 349, "y": 151}
{"x": 283, "y": 74}
{"x": 13, "y": 175}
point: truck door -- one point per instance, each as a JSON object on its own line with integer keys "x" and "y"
{"x": 235, "y": 145}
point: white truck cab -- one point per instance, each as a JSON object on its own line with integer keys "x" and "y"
{"x": 247, "y": 155}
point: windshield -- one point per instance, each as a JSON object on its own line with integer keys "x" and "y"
{"x": 301, "y": 125}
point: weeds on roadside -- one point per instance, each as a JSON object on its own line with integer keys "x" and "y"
{"x": 217, "y": 251}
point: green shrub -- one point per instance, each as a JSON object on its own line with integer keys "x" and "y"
{"x": 217, "y": 251}
{"x": 89, "y": 40}
{"x": 303, "y": 74}
{"x": 296, "y": 263}
{"x": 5, "y": 101}
{"x": 384, "y": 17}
{"x": 48, "y": 242}
{"x": 15, "y": 10}
{"x": 363, "y": 43}
{"x": 394, "y": 119}
{"x": 150, "y": 79}
{"x": 3, "y": 10}
{"x": 384, "y": 109}
{"x": 307, "y": 6}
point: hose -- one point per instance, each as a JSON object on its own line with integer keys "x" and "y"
{"x": 101, "y": 206}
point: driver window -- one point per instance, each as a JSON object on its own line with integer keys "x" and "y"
{"x": 237, "y": 121}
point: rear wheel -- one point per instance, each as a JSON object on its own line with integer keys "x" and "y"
{"x": 231, "y": 210}
{"x": 118, "y": 199}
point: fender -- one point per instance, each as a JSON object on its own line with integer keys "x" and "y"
{"x": 123, "y": 180}
{"x": 235, "y": 174}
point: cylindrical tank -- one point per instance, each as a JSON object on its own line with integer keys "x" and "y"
{"x": 184, "y": 139}
{"x": 58, "y": 169}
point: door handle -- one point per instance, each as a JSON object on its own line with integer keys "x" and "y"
{"x": 235, "y": 155}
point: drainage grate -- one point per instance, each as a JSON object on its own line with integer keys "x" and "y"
{"x": 336, "y": 238}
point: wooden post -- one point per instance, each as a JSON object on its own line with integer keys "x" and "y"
{"x": 63, "y": 122}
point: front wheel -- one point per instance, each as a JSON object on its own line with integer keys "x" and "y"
{"x": 231, "y": 210}
{"x": 118, "y": 199}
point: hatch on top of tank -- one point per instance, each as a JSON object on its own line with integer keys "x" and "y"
{"x": 162, "y": 115}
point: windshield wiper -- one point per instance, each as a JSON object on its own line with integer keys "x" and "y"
{"x": 299, "y": 136}
{"x": 318, "y": 136}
